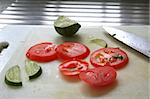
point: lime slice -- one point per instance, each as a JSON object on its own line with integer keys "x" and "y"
{"x": 65, "y": 26}
{"x": 99, "y": 42}
{"x": 33, "y": 70}
{"x": 12, "y": 76}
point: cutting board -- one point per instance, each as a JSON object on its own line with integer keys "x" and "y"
{"x": 132, "y": 80}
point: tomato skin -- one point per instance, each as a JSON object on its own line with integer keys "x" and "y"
{"x": 100, "y": 76}
{"x": 72, "y": 50}
{"x": 73, "y": 67}
{"x": 107, "y": 57}
{"x": 42, "y": 52}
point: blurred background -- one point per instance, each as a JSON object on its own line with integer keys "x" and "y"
{"x": 87, "y": 12}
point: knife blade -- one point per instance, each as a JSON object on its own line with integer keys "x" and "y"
{"x": 138, "y": 43}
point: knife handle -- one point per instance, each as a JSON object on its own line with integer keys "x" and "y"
{"x": 3, "y": 45}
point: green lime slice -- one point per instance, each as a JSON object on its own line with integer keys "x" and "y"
{"x": 65, "y": 26}
{"x": 12, "y": 76}
{"x": 99, "y": 42}
{"x": 33, "y": 70}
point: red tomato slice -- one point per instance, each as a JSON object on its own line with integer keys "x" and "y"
{"x": 73, "y": 67}
{"x": 42, "y": 52}
{"x": 71, "y": 50}
{"x": 113, "y": 57}
{"x": 100, "y": 76}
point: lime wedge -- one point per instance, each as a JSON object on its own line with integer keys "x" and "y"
{"x": 99, "y": 42}
{"x": 33, "y": 70}
{"x": 65, "y": 26}
{"x": 12, "y": 76}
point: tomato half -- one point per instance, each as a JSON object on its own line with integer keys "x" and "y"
{"x": 113, "y": 57}
{"x": 71, "y": 50}
{"x": 42, "y": 52}
{"x": 73, "y": 67}
{"x": 100, "y": 76}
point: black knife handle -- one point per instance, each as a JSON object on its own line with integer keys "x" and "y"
{"x": 3, "y": 45}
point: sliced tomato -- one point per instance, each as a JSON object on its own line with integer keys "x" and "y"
{"x": 71, "y": 50}
{"x": 113, "y": 57}
{"x": 42, "y": 52}
{"x": 100, "y": 76}
{"x": 73, "y": 67}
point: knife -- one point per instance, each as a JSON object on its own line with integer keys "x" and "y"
{"x": 138, "y": 43}
{"x": 3, "y": 45}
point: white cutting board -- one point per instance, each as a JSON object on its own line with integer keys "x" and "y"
{"x": 132, "y": 81}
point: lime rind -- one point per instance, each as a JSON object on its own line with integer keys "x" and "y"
{"x": 12, "y": 76}
{"x": 36, "y": 75}
{"x": 33, "y": 70}
{"x": 68, "y": 31}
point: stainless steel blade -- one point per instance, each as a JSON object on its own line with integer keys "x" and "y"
{"x": 130, "y": 39}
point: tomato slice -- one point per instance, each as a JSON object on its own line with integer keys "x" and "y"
{"x": 100, "y": 76}
{"x": 113, "y": 57}
{"x": 42, "y": 52}
{"x": 71, "y": 50}
{"x": 73, "y": 67}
